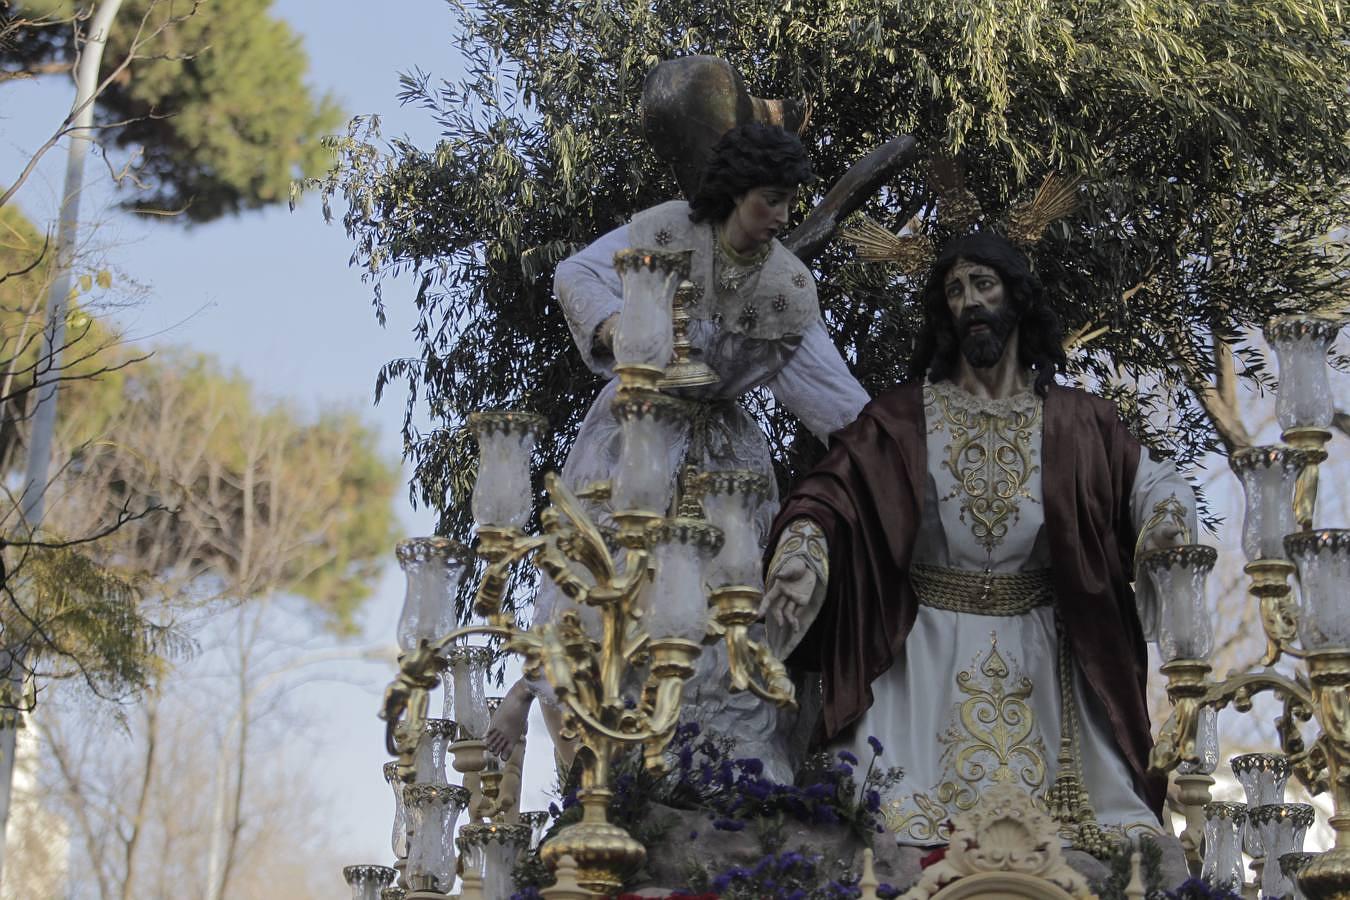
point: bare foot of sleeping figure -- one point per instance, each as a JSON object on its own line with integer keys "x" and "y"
{"x": 512, "y": 718}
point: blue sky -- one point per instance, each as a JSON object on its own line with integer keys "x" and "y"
{"x": 271, "y": 294}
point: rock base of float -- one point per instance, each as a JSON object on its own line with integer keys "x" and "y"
{"x": 688, "y": 842}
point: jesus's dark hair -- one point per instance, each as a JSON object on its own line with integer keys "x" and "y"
{"x": 1040, "y": 342}
{"x": 748, "y": 156}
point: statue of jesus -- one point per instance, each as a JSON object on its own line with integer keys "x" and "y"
{"x": 958, "y": 569}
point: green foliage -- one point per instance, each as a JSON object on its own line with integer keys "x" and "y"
{"x": 80, "y": 617}
{"x": 217, "y": 107}
{"x": 248, "y": 497}
{"x": 261, "y": 497}
{"x": 1210, "y": 136}
{"x": 25, "y": 277}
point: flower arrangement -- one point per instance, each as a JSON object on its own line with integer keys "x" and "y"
{"x": 735, "y": 792}
{"x": 706, "y": 775}
{"x": 1199, "y": 889}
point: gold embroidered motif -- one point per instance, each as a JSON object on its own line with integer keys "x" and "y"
{"x": 990, "y": 456}
{"x": 992, "y": 737}
{"x": 804, "y": 538}
{"x": 1165, "y": 512}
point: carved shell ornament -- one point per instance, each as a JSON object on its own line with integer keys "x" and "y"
{"x": 1005, "y": 846}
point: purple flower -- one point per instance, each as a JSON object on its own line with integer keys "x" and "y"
{"x": 872, "y": 800}
{"x": 755, "y": 790}
{"x": 554, "y": 811}
{"x": 844, "y": 769}
{"x": 848, "y": 757}
{"x": 1196, "y": 889}
{"x": 751, "y": 766}
{"x": 723, "y": 881}
{"x": 823, "y": 815}
{"x": 875, "y": 744}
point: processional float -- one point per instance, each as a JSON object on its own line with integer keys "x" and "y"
{"x": 616, "y": 660}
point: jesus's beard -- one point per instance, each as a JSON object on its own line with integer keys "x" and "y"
{"x": 983, "y": 349}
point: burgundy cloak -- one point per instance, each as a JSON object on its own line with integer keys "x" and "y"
{"x": 867, "y": 495}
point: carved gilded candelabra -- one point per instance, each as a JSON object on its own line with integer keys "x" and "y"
{"x": 632, "y": 612}
{"x": 1312, "y": 627}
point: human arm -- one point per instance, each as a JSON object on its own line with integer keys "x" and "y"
{"x": 1162, "y": 509}
{"x": 591, "y": 295}
{"x": 816, "y": 385}
{"x": 795, "y": 584}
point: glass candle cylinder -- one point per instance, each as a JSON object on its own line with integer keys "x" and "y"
{"x": 429, "y": 758}
{"x": 366, "y": 881}
{"x": 1281, "y": 827}
{"x": 1292, "y": 864}
{"x": 730, "y": 499}
{"x": 468, "y": 697}
{"x": 502, "y": 494}
{"x": 1301, "y": 344}
{"x": 650, "y": 424}
{"x": 1206, "y": 743}
{"x": 432, "y": 812}
{"x": 1222, "y": 863}
{"x": 398, "y": 839}
{"x": 650, "y": 278}
{"x": 1263, "y": 777}
{"x": 492, "y": 852}
{"x": 1185, "y": 630}
{"x": 433, "y": 567}
{"x": 1268, "y": 474}
{"x": 1323, "y": 561}
{"x": 674, "y": 602}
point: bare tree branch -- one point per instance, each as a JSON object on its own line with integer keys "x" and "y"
{"x": 1218, "y": 398}
{"x": 67, "y": 127}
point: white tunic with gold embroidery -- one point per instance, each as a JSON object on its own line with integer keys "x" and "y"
{"x": 974, "y": 700}
{"x": 763, "y": 331}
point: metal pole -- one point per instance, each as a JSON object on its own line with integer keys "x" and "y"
{"x": 53, "y": 336}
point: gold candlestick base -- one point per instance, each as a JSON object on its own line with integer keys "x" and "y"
{"x": 604, "y": 853}
{"x": 684, "y": 371}
{"x": 1312, "y": 441}
{"x": 639, "y": 377}
{"x": 735, "y": 605}
{"x": 1270, "y": 587}
{"x": 1328, "y": 876}
{"x": 688, "y": 373}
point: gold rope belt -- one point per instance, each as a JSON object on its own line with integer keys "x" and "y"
{"x": 981, "y": 593}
